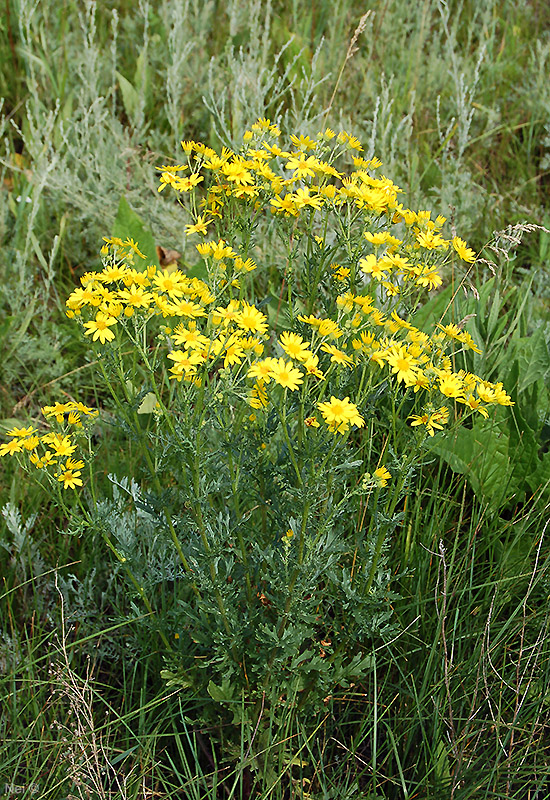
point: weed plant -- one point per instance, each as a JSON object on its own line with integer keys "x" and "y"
{"x": 452, "y": 703}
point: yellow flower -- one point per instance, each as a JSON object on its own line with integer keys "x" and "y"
{"x": 452, "y": 331}
{"x": 450, "y": 384}
{"x": 61, "y": 445}
{"x": 474, "y": 404}
{"x": 233, "y": 351}
{"x": 403, "y": 365}
{"x": 250, "y": 319}
{"x": 9, "y": 448}
{"x": 186, "y": 184}
{"x": 430, "y": 240}
{"x": 381, "y": 477}
{"x": 200, "y": 226}
{"x": 70, "y": 464}
{"x": 185, "y": 362}
{"x": 285, "y": 374}
{"x": 70, "y": 478}
{"x": 30, "y": 442}
{"x": 501, "y": 398}
{"x": 261, "y": 370}
{"x": 329, "y": 328}
{"x": 190, "y": 338}
{"x": 467, "y": 340}
{"x": 350, "y": 141}
{"x": 463, "y": 251}
{"x": 134, "y": 247}
{"x": 284, "y": 204}
{"x": 486, "y": 392}
{"x": 294, "y": 346}
{"x": 236, "y": 172}
{"x": 258, "y": 395}
{"x": 204, "y": 248}
{"x": 303, "y": 142}
{"x": 244, "y": 266}
{"x": 221, "y": 250}
{"x": 89, "y": 412}
{"x": 100, "y": 327}
{"x": 136, "y": 296}
{"x": 170, "y": 282}
{"x": 168, "y": 179}
{"x": 303, "y": 198}
{"x": 21, "y": 432}
{"x": 186, "y": 308}
{"x": 429, "y": 277}
{"x": 226, "y": 314}
{"x": 337, "y": 356}
{"x": 377, "y": 268}
{"x": 340, "y": 414}
{"x": 46, "y": 459}
{"x": 433, "y": 420}
{"x": 302, "y": 166}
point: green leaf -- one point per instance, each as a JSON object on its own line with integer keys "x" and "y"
{"x": 130, "y": 97}
{"x": 533, "y": 357}
{"x": 432, "y": 311}
{"x": 483, "y": 454}
{"x": 129, "y": 225}
{"x": 221, "y": 694}
{"x": 11, "y": 422}
{"x": 148, "y": 404}
{"x": 174, "y": 679}
{"x": 18, "y": 335}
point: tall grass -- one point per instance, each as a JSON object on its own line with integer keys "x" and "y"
{"x": 454, "y": 99}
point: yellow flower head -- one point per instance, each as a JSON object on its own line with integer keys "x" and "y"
{"x": 340, "y": 414}
{"x": 285, "y": 374}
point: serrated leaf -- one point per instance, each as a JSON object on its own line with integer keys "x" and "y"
{"x": 483, "y": 454}
{"x": 533, "y": 357}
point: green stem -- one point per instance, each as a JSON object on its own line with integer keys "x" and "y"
{"x": 140, "y": 590}
{"x": 288, "y": 442}
{"x": 133, "y": 422}
{"x": 389, "y": 513}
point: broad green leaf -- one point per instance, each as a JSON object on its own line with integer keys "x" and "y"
{"x": 9, "y": 423}
{"x": 482, "y": 454}
{"x": 129, "y": 225}
{"x": 198, "y": 270}
{"x": 433, "y": 310}
{"x": 539, "y": 479}
{"x": 494, "y": 316}
{"x": 19, "y": 334}
{"x": 533, "y": 357}
{"x": 130, "y": 97}
{"x": 221, "y": 694}
{"x": 147, "y": 405}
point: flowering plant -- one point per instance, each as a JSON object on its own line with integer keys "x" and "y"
{"x": 281, "y": 397}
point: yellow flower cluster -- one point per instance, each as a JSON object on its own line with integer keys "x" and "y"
{"x": 53, "y": 449}
{"x": 397, "y": 251}
{"x": 304, "y": 180}
{"x": 236, "y": 334}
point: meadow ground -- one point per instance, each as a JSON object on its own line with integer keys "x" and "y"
{"x": 451, "y": 699}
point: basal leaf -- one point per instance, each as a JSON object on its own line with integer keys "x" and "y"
{"x": 129, "y": 225}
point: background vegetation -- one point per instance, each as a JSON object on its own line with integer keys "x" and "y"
{"x": 454, "y": 99}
